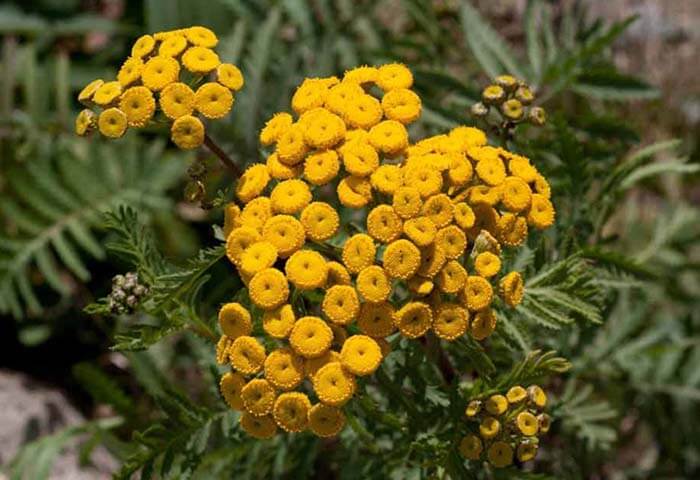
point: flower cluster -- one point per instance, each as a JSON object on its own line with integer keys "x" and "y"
{"x": 507, "y": 424}
{"x": 126, "y": 293}
{"x": 436, "y": 215}
{"x": 512, "y": 98}
{"x": 155, "y": 68}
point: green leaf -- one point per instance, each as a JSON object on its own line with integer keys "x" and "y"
{"x": 532, "y": 35}
{"x": 608, "y": 84}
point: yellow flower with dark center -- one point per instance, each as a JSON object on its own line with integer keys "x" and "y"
{"x": 500, "y": 454}
{"x": 516, "y": 394}
{"x": 491, "y": 171}
{"x": 359, "y": 158}
{"x": 187, "y": 132}
{"x": 261, "y": 428}
{"x": 313, "y": 365}
{"x": 393, "y": 76}
{"x": 464, "y": 215}
{"x": 291, "y": 411}
{"x": 359, "y": 252}
{"x": 247, "y": 356}
{"x": 386, "y": 179}
{"x": 213, "y": 100}
{"x": 321, "y": 167}
{"x": 376, "y": 319}
{"x": 290, "y": 196}
{"x": 402, "y": 105}
{"x": 451, "y": 321}
{"x": 515, "y": 194}
{"x": 427, "y": 180}
{"x": 420, "y": 230}
{"x": 432, "y": 259}
{"x": 407, "y": 202}
{"x": 537, "y": 396}
{"x": 176, "y": 100}
{"x": 354, "y": 192}
{"x": 258, "y": 397}
{"x": 257, "y": 257}
{"x": 107, "y": 94}
{"x": 520, "y": 167}
{"x": 389, "y": 137}
{"x": 139, "y": 105}
{"x": 159, "y": 71}
{"x": 511, "y": 229}
{"x": 310, "y": 94}
{"x": 362, "y": 111}
{"x": 85, "y": 122}
{"x": 235, "y": 321}
{"x": 526, "y": 451}
{"x": 307, "y": 269}
{"x": 322, "y": 129}
{"x": 325, "y": 420}
{"x": 320, "y": 221}
{"x": 337, "y": 274}
{"x": 363, "y": 74}
{"x": 452, "y": 277}
{"x": 512, "y": 289}
{"x": 333, "y": 385}
{"x": 291, "y": 146}
{"x": 341, "y": 95}
{"x": 487, "y": 264}
{"x": 341, "y": 304}
{"x": 496, "y": 405}
{"x": 373, "y": 284}
{"x": 360, "y": 355}
{"x": 311, "y": 337}
{"x": 541, "y": 212}
{"x": 439, "y": 209}
{"x": 284, "y": 232}
{"x": 473, "y": 408}
{"x": 238, "y": 240}
{"x": 268, "y": 289}
{"x": 460, "y": 171}
{"x": 279, "y": 170}
{"x": 252, "y": 183}
{"x": 89, "y": 91}
{"x": 489, "y": 427}
{"x": 527, "y": 423}
{"x": 231, "y": 385}
{"x": 383, "y": 224}
{"x": 512, "y": 109}
{"x": 278, "y": 323}
{"x": 483, "y": 194}
{"x": 256, "y": 213}
{"x": 478, "y": 293}
{"x": 275, "y": 127}
{"x": 230, "y": 76}
{"x": 284, "y": 369}
{"x": 200, "y": 60}
{"x": 401, "y": 259}
{"x": 143, "y": 46}
{"x": 483, "y": 324}
{"x": 112, "y": 123}
{"x": 493, "y": 94}
{"x": 414, "y": 319}
{"x": 452, "y": 241}
{"x": 201, "y": 36}
{"x": 172, "y": 46}
{"x": 130, "y": 71}
{"x": 471, "y": 447}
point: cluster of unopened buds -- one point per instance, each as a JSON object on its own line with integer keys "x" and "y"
{"x": 203, "y": 89}
{"x": 126, "y": 293}
{"x": 507, "y": 425}
{"x": 324, "y": 293}
{"x": 512, "y": 99}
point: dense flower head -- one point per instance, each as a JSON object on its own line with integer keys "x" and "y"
{"x": 425, "y": 257}
{"x": 175, "y": 75}
{"x": 506, "y": 425}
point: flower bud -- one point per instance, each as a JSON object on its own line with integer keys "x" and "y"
{"x": 493, "y": 95}
{"x": 537, "y": 116}
{"x": 524, "y": 95}
{"x": 479, "y": 109}
{"x": 507, "y": 82}
{"x": 512, "y": 109}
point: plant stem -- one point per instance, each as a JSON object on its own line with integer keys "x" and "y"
{"x": 225, "y": 159}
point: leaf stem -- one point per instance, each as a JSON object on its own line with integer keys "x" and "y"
{"x": 225, "y": 159}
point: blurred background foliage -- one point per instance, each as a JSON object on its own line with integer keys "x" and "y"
{"x": 613, "y": 288}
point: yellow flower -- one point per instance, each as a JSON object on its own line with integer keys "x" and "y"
{"x": 451, "y": 321}
{"x": 238, "y": 240}
{"x": 542, "y": 186}
{"x": 464, "y": 215}
{"x": 139, "y": 105}
{"x": 290, "y": 196}
{"x": 537, "y": 396}
{"x": 213, "y": 100}
{"x": 320, "y": 221}
{"x": 291, "y": 146}
{"x": 452, "y": 241}
{"x": 544, "y": 422}
{"x": 284, "y": 232}
{"x": 307, "y": 269}
{"x": 279, "y": 170}
{"x": 360, "y": 355}
{"x": 452, "y": 277}
{"x": 363, "y": 74}
{"x": 487, "y": 264}
{"x": 358, "y": 252}
{"x": 402, "y": 105}
{"x": 483, "y": 194}
{"x": 483, "y": 324}
{"x": 325, "y": 420}
{"x": 172, "y": 46}
{"x": 491, "y": 171}
{"x": 473, "y": 408}
{"x": 337, "y": 274}
{"x": 321, "y": 167}
{"x": 159, "y": 71}
{"x": 341, "y": 95}
{"x": 222, "y": 347}
{"x": 468, "y": 136}
{"x": 311, "y": 337}
{"x": 500, "y": 454}
{"x": 176, "y": 100}
{"x": 386, "y": 179}
{"x": 201, "y": 36}
{"x": 284, "y": 369}
{"x": 107, "y": 94}
{"x": 414, "y": 319}
{"x": 526, "y": 451}
{"x": 291, "y": 411}
{"x": 512, "y": 109}
{"x": 130, "y": 71}
{"x": 333, "y": 385}
{"x": 515, "y": 194}
{"x": 427, "y": 180}
{"x": 373, "y": 284}
{"x": 112, "y": 123}
{"x": 322, "y": 129}
{"x": 231, "y": 385}
{"x": 527, "y": 423}
{"x": 420, "y": 230}
{"x": 489, "y": 427}
{"x": 85, "y": 122}
{"x": 511, "y": 229}
{"x": 520, "y": 167}
{"x": 268, "y": 289}
{"x": 471, "y": 447}
{"x": 383, "y": 224}
{"x": 257, "y": 257}
{"x": 460, "y": 171}
{"x": 89, "y": 90}
{"x": 246, "y": 356}
{"x": 431, "y": 261}
{"x": 200, "y": 60}
{"x": 261, "y": 428}
{"x": 258, "y": 397}
{"x": 256, "y": 213}
{"x": 230, "y": 76}
{"x": 401, "y": 259}
{"x": 278, "y": 323}
{"x": 439, "y": 209}
{"x": 187, "y": 132}
{"x": 393, "y": 76}
{"x": 512, "y": 289}
{"x": 516, "y": 394}
{"x": 493, "y": 94}
{"x": 341, "y": 304}
{"x": 362, "y": 111}
{"x": 313, "y": 365}
{"x": 253, "y": 181}
{"x": 407, "y": 202}
{"x": 354, "y": 192}
{"x": 420, "y": 286}
{"x": 496, "y": 404}
{"x": 541, "y": 212}
{"x": 275, "y": 127}
{"x": 143, "y": 46}
{"x": 478, "y": 292}
{"x": 359, "y": 158}
{"x": 389, "y": 137}
{"x": 235, "y": 321}
{"x": 310, "y": 94}
{"x": 376, "y": 319}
